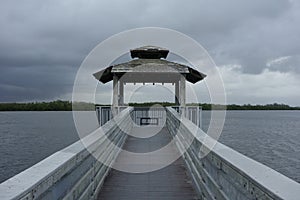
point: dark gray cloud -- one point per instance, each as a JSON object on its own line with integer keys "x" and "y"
{"x": 42, "y": 43}
{"x": 255, "y": 42}
{"x": 34, "y": 83}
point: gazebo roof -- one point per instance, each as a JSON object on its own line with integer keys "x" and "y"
{"x": 146, "y": 65}
{"x": 149, "y": 52}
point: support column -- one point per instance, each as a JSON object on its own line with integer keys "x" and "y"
{"x": 177, "y": 93}
{"x": 182, "y": 91}
{"x": 182, "y": 94}
{"x": 121, "y": 93}
{"x": 115, "y": 91}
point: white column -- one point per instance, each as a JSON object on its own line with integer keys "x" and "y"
{"x": 182, "y": 91}
{"x": 121, "y": 93}
{"x": 182, "y": 94}
{"x": 177, "y": 93}
{"x": 115, "y": 91}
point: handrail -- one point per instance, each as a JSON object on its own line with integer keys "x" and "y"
{"x": 224, "y": 173}
{"x": 71, "y": 173}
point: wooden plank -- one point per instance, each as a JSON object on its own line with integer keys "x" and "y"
{"x": 171, "y": 182}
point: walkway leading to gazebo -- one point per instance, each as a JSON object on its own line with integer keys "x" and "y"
{"x": 171, "y": 182}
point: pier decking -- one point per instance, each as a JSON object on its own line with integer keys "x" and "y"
{"x": 171, "y": 182}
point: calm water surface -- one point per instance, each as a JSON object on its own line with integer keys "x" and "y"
{"x": 270, "y": 137}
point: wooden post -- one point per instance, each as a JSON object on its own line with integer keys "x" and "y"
{"x": 121, "y": 93}
{"x": 182, "y": 94}
{"x": 115, "y": 92}
{"x": 177, "y": 93}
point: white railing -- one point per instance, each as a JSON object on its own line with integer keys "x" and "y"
{"x": 72, "y": 173}
{"x": 150, "y": 115}
{"x": 153, "y": 116}
{"x": 104, "y": 113}
{"x": 224, "y": 173}
{"x": 192, "y": 113}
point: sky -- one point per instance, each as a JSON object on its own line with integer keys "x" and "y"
{"x": 254, "y": 43}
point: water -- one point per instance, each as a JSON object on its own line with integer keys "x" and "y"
{"x": 270, "y": 137}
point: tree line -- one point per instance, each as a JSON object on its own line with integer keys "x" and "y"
{"x": 60, "y": 105}
{"x": 206, "y": 106}
{"x": 57, "y": 105}
{"x": 274, "y": 106}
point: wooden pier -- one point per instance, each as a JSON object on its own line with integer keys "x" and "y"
{"x": 171, "y": 182}
{"x": 95, "y": 167}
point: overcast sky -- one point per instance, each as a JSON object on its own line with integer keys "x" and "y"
{"x": 255, "y": 43}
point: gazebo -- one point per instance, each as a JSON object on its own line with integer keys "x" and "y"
{"x": 149, "y": 65}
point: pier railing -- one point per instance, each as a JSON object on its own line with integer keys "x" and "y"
{"x": 150, "y": 115}
{"x": 72, "y": 173}
{"x": 104, "y": 113}
{"x": 192, "y": 113}
{"x": 224, "y": 173}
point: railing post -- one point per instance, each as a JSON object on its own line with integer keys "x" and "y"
{"x": 115, "y": 95}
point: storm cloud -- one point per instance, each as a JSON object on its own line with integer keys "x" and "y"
{"x": 42, "y": 43}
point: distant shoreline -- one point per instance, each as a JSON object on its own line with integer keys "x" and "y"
{"x": 59, "y": 105}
